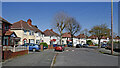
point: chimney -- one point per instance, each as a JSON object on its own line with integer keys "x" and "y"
{"x": 29, "y": 21}
{"x": 51, "y": 29}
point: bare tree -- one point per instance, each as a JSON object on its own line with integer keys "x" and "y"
{"x": 73, "y": 27}
{"x": 60, "y": 23}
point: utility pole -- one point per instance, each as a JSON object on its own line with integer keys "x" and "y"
{"x": 112, "y": 26}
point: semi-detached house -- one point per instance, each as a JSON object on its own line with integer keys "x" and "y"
{"x": 51, "y": 37}
{"x": 27, "y": 32}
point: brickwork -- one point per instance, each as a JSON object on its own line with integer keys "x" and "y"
{"x": 9, "y": 54}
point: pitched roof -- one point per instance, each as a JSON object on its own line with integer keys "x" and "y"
{"x": 66, "y": 35}
{"x": 24, "y": 25}
{"x": 117, "y": 37}
{"x": 50, "y": 33}
{"x": 81, "y": 36}
{"x": 104, "y": 37}
{"x": 9, "y": 32}
{"x": 3, "y": 20}
{"x": 92, "y": 37}
{"x": 37, "y": 30}
{"x": 21, "y": 25}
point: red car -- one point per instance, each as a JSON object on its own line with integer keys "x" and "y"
{"x": 59, "y": 48}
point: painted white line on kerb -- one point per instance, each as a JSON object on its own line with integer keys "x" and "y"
{"x": 52, "y": 64}
{"x": 73, "y": 50}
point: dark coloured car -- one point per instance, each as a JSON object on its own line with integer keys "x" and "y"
{"x": 70, "y": 44}
{"x": 116, "y": 46}
{"x": 103, "y": 45}
{"x": 79, "y": 46}
{"x": 85, "y": 45}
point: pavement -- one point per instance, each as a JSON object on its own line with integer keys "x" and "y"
{"x": 107, "y": 51}
{"x": 33, "y": 59}
{"x": 85, "y": 57}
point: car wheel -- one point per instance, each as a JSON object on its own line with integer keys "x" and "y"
{"x": 34, "y": 50}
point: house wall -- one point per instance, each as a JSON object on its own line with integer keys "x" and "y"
{"x": 47, "y": 39}
{"x": 37, "y": 37}
{"x": 65, "y": 40}
{"x": 20, "y": 33}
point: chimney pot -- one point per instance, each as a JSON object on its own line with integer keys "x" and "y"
{"x": 29, "y": 21}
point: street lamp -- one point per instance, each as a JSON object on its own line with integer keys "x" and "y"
{"x": 112, "y": 26}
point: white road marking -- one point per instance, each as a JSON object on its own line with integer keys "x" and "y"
{"x": 73, "y": 50}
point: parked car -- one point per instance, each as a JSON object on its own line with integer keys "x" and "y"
{"x": 79, "y": 46}
{"x": 32, "y": 47}
{"x": 116, "y": 46}
{"x": 85, "y": 45}
{"x": 103, "y": 45}
{"x": 54, "y": 45}
{"x": 70, "y": 44}
{"x": 59, "y": 48}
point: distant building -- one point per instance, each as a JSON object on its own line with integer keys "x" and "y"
{"x": 51, "y": 37}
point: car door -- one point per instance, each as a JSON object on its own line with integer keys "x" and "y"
{"x": 30, "y": 46}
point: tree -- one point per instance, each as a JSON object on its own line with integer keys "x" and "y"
{"x": 73, "y": 27}
{"x": 85, "y": 32}
{"x": 60, "y": 23}
{"x": 100, "y": 31}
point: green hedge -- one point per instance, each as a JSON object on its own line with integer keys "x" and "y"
{"x": 89, "y": 42}
{"x": 44, "y": 44}
{"x": 96, "y": 44}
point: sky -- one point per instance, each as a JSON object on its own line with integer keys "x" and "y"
{"x": 88, "y": 14}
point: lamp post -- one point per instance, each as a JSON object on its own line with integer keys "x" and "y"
{"x": 112, "y": 26}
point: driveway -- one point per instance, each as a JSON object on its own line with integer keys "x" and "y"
{"x": 33, "y": 59}
{"x": 84, "y": 57}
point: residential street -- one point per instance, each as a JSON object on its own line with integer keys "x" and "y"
{"x": 84, "y": 57}
{"x": 33, "y": 59}
{"x": 70, "y": 57}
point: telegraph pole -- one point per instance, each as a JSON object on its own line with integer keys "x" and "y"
{"x": 112, "y": 26}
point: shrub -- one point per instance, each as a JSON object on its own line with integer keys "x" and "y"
{"x": 44, "y": 44}
{"x": 96, "y": 44}
{"x": 89, "y": 42}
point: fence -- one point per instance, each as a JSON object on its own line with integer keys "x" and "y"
{"x": 11, "y": 52}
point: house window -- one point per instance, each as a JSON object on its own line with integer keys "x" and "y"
{"x": 37, "y": 41}
{"x": 6, "y": 42}
{"x": 32, "y": 33}
{"x": 6, "y": 27}
{"x": 25, "y": 32}
{"x": 39, "y": 34}
{"x": 31, "y": 40}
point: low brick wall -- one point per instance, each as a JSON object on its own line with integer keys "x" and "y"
{"x": 9, "y": 54}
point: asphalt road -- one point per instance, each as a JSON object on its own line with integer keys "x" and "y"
{"x": 33, "y": 59}
{"x": 85, "y": 57}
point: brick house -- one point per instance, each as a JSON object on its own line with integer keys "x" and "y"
{"x": 67, "y": 39}
{"x": 9, "y": 38}
{"x": 82, "y": 39}
{"x": 27, "y": 32}
{"x": 51, "y": 37}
